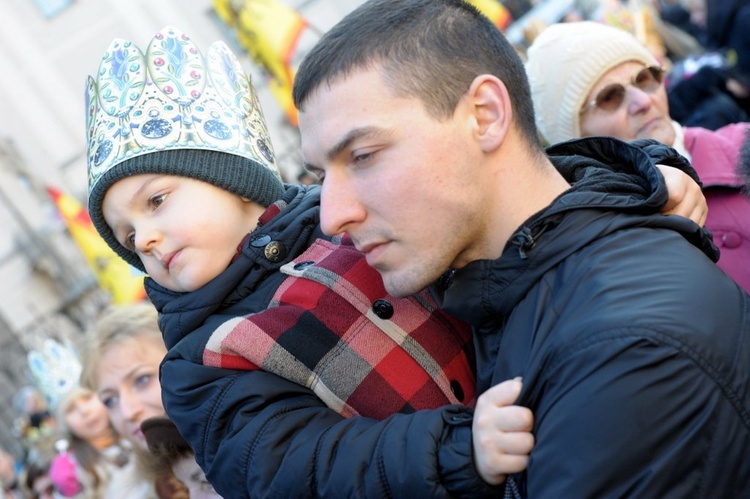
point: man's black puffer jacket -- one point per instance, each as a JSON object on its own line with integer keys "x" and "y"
{"x": 634, "y": 347}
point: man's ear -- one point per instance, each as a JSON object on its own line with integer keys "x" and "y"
{"x": 491, "y": 109}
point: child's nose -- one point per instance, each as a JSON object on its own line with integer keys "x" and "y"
{"x": 146, "y": 238}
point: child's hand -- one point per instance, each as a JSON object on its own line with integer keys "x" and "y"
{"x": 685, "y": 196}
{"x": 501, "y": 433}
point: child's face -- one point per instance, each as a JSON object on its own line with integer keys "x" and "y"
{"x": 191, "y": 475}
{"x": 87, "y": 417}
{"x": 185, "y": 231}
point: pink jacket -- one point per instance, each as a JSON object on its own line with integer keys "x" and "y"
{"x": 64, "y": 475}
{"x": 714, "y": 156}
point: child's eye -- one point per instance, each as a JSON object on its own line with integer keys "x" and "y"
{"x": 130, "y": 240}
{"x": 157, "y": 200}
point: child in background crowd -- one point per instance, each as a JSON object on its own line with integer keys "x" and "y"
{"x": 35, "y": 478}
{"x": 91, "y": 453}
{"x": 170, "y": 452}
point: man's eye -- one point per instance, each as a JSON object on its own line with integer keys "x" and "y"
{"x": 361, "y": 158}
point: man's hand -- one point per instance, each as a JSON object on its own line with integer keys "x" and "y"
{"x": 685, "y": 196}
{"x": 501, "y": 433}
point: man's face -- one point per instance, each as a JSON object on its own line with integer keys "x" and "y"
{"x": 404, "y": 185}
{"x": 642, "y": 114}
{"x": 185, "y": 231}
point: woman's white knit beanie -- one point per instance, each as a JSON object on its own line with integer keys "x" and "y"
{"x": 565, "y": 62}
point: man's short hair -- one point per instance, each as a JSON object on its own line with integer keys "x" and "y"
{"x": 429, "y": 49}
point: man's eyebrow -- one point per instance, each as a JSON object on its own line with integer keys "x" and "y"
{"x": 350, "y": 137}
{"x": 344, "y": 143}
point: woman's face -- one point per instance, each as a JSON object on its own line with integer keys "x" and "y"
{"x": 87, "y": 418}
{"x": 642, "y": 114}
{"x": 129, "y": 387}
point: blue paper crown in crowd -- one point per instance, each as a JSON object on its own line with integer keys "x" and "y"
{"x": 55, "y": 369}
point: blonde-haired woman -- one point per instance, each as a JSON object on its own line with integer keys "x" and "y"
{"x": 121, "y": 365}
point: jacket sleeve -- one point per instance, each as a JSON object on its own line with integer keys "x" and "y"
{"x": 258, "y": 435}
{"x": 638, "y": 158}
{"x": 664, "y": 155}
{"x": 656, "y": 421}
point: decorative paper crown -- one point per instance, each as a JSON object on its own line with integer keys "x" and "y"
{"x": 172, "y": 98}
{"x": 55, "y": 369}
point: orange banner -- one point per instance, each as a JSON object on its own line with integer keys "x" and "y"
{"x": 270, "y": 32}
{"x": 495, "y": 11}
{"x": 112, "y": 272}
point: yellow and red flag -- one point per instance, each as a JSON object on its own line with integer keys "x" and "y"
{"x": 495, "y": 11}
{"x": 112, "y": 272}
{"x": 270, "y": 32}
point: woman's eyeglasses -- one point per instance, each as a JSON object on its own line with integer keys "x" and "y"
{"x": 611, "y": 97}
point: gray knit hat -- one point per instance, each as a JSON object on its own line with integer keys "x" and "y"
{"x": 565, "y": 62}
{"x": 172, "y": 111}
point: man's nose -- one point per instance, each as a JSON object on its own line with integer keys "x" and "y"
{"x": 340, "y": 207}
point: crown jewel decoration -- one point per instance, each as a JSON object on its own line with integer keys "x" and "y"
{"x": 55, "y": 369}
{"x": 171, "y": 98}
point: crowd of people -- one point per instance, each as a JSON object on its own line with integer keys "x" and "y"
{"x": 519, "y": 272}
{"x": 108, "y": 436}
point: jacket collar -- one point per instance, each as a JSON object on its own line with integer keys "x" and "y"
{"x": 609, "y": 178}
{"x": 290, "y": 230}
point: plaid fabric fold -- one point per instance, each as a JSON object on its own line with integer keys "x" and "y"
{"x": 332, "y": 327}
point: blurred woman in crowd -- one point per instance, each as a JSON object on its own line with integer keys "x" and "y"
{"x": 609, "y": 84}
{"x": 121, "y": 365}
